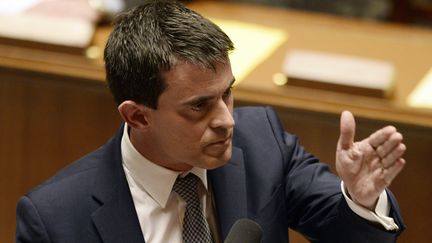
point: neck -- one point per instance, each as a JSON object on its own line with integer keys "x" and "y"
{"x": 147, "y": 149}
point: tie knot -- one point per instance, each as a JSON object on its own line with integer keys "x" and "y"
{"x": 186, "y": 188}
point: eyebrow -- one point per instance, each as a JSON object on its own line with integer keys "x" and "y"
{"x": 206, "y": 98}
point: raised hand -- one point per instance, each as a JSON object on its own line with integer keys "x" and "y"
{"x": 367, "y": 167}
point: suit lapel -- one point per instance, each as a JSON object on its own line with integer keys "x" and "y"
{"x": 229, "y": 187}
{"x": 116, "y": 219}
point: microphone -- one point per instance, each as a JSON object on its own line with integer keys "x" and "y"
{"x": 244, "y": 231}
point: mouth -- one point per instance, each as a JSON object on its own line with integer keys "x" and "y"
{"x": 219, "y": 148}
{"x": 223, "y": 141}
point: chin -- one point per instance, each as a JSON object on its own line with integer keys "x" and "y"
{"x": 216, "y": 162}
{"x": 216, "y": 165}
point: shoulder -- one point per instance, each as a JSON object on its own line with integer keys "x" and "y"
{"x": 74, "y": 179}
{"x": 260, "y": 134}
{"x": 68, "y": 196}
{"x": 256, "y": 115}
{"x": 246, "y": 113}
{"x": 80, "y": 166}
{"x": 62, "y": 204}
{"x": 258, "y": 122}
{"x": 79, "y": 176}
{"x": 87, "y": 166}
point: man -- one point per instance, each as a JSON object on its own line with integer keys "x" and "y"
{"x": 169, "y": 71}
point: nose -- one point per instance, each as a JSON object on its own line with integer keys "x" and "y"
{"x": 223, "y": 117}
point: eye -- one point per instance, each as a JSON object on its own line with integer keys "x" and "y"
{"x": 199, "y": 106}
{"x": 228, "y": 92}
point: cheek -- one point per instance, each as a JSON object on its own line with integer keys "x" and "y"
{"x": 187, "y": 136}
{"x": 181, "y": 134}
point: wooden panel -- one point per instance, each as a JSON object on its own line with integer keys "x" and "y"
{"x": 46, "y": 122}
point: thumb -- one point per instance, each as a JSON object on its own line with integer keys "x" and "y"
{"x": 347, "y": 130}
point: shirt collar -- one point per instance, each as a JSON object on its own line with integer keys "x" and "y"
{"x": 156, "y": 180}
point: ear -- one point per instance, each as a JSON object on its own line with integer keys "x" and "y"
{"x": 136, "y": 115}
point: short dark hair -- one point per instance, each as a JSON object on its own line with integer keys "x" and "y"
{"x": 148, "y": 39}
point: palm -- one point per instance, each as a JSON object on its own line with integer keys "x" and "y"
{"x": 368, "y": 166}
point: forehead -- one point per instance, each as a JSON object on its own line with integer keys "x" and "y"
{"x": 185, "y": 78}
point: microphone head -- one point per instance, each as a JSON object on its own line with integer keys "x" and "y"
{"x": 244, "y": 231}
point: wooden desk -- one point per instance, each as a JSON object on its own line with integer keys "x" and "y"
{"x": 55, "y": 107}
{"x": 409, "y": 49}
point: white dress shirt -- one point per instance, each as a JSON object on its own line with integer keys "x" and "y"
{"x": 160, "y": 210}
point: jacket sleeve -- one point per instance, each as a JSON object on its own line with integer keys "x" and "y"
{"x": 29, "y": 225}
{"x": 315, "y": 205}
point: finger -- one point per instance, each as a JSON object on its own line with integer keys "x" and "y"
{"x": 347, "y": 130}
{"x": 384, "y": 177}
{"x": 391, "y": 172}
{"x": 388, "y": 146}
{"x": 376, "y": 164}
{"x": 381, "y": 136}
{"x": 367, "y": 149}
{"x": 393, "y": 156}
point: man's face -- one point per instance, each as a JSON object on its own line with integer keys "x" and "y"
{"x": 193, "y": 124}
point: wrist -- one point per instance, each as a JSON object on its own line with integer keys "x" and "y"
{"x": 370, "y": 206}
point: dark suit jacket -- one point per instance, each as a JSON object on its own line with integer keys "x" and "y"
{"x": 270, "y": 179}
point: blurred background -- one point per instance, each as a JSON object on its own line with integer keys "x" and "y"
{"x": 373, "y": 57}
